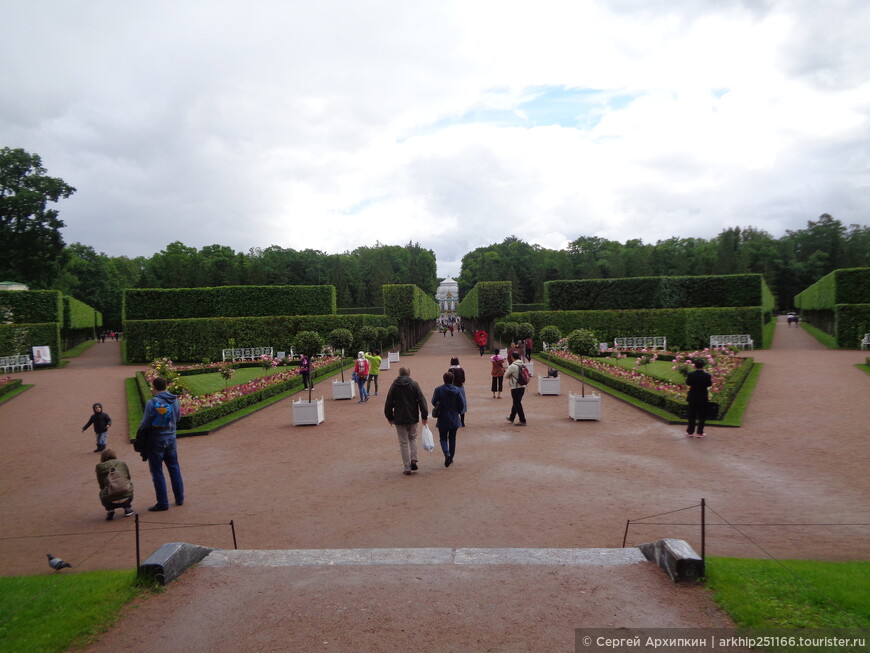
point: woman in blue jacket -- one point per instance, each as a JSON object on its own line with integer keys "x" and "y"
{"x": 447, "y": 402}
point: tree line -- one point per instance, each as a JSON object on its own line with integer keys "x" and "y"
{"x": 32, "y": 251}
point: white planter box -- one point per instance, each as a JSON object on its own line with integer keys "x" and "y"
{"x": 343, "y": 389}
{"x": 385, "y": 364}
{"x": 549, "y": 385}
{"x": 588, "y": 407}
{"x": 308, "y": 412}
{"x": 531, "y": 366}
{"x": 393, "y": 357}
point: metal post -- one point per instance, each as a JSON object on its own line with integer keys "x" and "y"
{"x": 703, "y": 529}
{"x": 625, "y": 536}
{"x": 233, "y": 528}
{"x": 138, "y": 565}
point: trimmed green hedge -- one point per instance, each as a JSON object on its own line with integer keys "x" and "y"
{"x": 78, "y": 315}
{"x": 198, "y": 339}
{"x": 19, "y": 338}
{"x": 730, "y": 290}
{"x": 364, "y": 310}
{"x": 487, "y": 300}
{"x": 658, "y": 399}
{"x": 227, "y": 301}
{"x": 6, "y": 388}
{"x": 408, "y": 302}
{"x": 853, "y": 321}
{"x": 844, "y": 286}
{"x": 33, "y": 306}
{"x": 685, "y": 328}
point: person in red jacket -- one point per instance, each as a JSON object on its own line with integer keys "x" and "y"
{"x": 480, "y": 338}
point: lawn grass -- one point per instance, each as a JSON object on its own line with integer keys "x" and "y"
{"x": 51, "y": 612}
{"x": 658, "y": 369}
{"x": 864, "y": 368}
{"x": 824, "y": 338}
{"x": 791, "y": 593}
{"x": 203, "y": 384}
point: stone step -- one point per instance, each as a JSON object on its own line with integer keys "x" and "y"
{"x": 422, "y": 556}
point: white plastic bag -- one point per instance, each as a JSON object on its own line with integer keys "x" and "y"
{"x": 428, "y": 442}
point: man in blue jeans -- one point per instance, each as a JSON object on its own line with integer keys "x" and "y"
{"x": 161, "y": 414}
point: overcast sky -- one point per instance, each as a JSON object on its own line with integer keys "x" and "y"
{"x": 335, "y": 124}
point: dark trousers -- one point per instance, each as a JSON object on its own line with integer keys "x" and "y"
{"x": 497, "y": 383}
{"x": 697, "y": 413}
{"x": 372, "y": 377}
{"x": 448, "y": 441}
{"x": 517, "y": 407}
{"x": 306, "y": 379}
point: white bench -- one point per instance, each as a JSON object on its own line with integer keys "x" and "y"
{"x": 641, "y": 342}
{"x": 743, "y": 341}
{"x": 17, "y": 362}
{"x": 865, "y": 343}
{"x": 246, "y": 353}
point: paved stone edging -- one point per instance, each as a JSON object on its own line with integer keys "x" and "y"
{"x": 422, "y": 556}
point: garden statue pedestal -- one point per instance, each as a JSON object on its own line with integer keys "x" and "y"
{"x": 549, "y": 385}
{"x": 588, "y": 407}
{"x": 308, "y": 412}
{"x": 343, "y": 389}
{"x": 385, "y": 364}
{"x": 393, "y": 356}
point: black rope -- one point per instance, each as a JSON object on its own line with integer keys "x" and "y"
{"x": 660, "y": 523}
{"x": 188, "y": 525}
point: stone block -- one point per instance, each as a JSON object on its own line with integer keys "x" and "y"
{"x": 676, "y": 557}
{"x": 169, "y": 561}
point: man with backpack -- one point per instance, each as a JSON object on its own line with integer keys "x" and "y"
{"x": 161, "y": 415}
{"x": 518, "y": 378}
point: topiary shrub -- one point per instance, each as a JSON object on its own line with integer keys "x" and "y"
{"x": 583, "y": 342}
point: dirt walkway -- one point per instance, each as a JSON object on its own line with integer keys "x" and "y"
{"x": 799, "y": 458}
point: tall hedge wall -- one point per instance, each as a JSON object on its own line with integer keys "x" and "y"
{"x": 658, "y": 292}
{"x": 852, "y": 322}
{"x": 195, "y": 339}
{"x": 32, "y": 306}
{"x": 685, "y": 328}
{"x": 408, "y": 302}
{"x": 19, "y": 338}
{"x": 486, "y": 301}
{"x": 78, "y": 315}
{"x": 846, "y": 286}
{"x": 227, "y": 301}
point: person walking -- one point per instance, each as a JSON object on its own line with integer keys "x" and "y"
{"x": 517, "y": 389}
{"x": 447, "y": 400}
{"x": 305, "y": 371}
{"x": 161, "y": 415}
{"x": 361, "y": 374}
{"x": 459, "y": 382}
{"x": 374, "y": 360}
{"x": 497, "y": 373}
{"x": 404, "y": 407}
{"x": 116, "y": 488}
{"x": 698, "y": 381}
{"x": 101, "y": 422}
{"x": 528, "y": 350}
{"x": 480, "y": 339}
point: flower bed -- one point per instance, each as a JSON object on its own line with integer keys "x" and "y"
{"x": 728, "y": 371}
{"x": 199, "y": 410}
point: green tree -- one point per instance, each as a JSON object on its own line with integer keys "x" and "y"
{"x": 30, "y": 238}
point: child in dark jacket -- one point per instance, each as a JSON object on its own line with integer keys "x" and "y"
{"x": 101, "y": 422}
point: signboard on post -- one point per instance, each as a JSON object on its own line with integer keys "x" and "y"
{"x": 41, "y": 355}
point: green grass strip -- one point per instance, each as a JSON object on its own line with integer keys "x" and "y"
{"x": 767, "y": 332}
{"x": 78, "y": 350}
{"x": 792, "y": 593}
{"x": 50, "y": 613}
{"x": 14, "y": 393}
{"x": 822, "y": 337}
{"x": 864, "y": 368}
{"x": 733, "y": 418}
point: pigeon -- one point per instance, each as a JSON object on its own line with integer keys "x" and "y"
{"x": 56, "y": 563}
